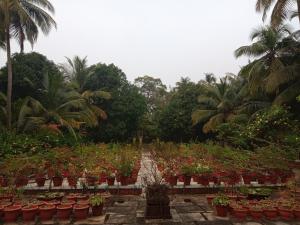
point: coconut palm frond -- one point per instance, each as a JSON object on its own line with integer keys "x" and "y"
{"x": 288, "y": 95}
{"x": 213, "y": 123}
{"x": 202, "y": 115}
{"x": 281, "y": 75}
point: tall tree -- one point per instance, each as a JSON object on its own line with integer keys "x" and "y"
{"x": 27, "y": 12}
{"x": 281, "y": 11}
{"x": 219, "y": 103}
{"x": 76, "y": 70}
{"x": 275, "y": 69}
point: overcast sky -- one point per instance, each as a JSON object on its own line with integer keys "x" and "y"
{"x": 161, "y": 38}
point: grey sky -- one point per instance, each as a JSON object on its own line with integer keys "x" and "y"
{"x": 161, "y": 38}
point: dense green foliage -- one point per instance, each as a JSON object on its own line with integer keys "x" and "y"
{"x": 49, "y": 105}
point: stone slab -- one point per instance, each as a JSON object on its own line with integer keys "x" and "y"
{"x": 191, "y": 217}
{"x": 188, "y": 209}
{"x": 92, "y": 221}
{"x": 121, "y": 219}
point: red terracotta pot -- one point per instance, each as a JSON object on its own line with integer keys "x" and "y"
{"x": 21, "y": 181}
{"x": 64, "y": 212}
{"x": 97, "y": 210}
{"x": 240, "y": 213}
{"x": 57, "y": 181}
{"x": 271, "y": 178}
{"x": 221, "y": 210}
{"x": 81, "y": 211}
{"x": 46, "y": 212}
{"x": 3, "y": 181}
{"x": 68, "y": 202}
{"x": 53, "y": 202}
{"x": 256, "y": 214}
{"x": 81, "y": 197}
{"x": 11, "y": 213}
{"x": 91, "y": 180}
{"x": 271, "y": 213}
{"x": 110, "y": 181}
{"x": 297, "y": 213}
{"x": 72, "y": 180}
{"x": 124, "y": 180}
{"x": 248, "y": 178}
{"x": 1, "y": 211}
{"x": 172, "y": 180}
{"x": 210, "y": 198}
{"x": 40, "y": 181}
{"x": 286, "y": 214}
{"x": 29, "y": 212}
{"x": 6, "y": 197}
{"x": 102, "y": 178}
{"x": 187, "y": 180}
{"x": 71, "y": 197}
{"x": 203, "y": 180}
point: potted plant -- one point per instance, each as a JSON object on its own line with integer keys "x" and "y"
{"x": 270, "y": 212}
{"x": 97, "y": 203}
{"x": 240, "y": 212}
{"x": 286, "y": 212}
{"x": 64, "y": 211}
{"x": 256, "y": 212}
{"x": 210, "y": 198}
{"x": 221, "y": 202}
{"x": 11, "y": 213}
{"x": 73, "y": 174}
{"x": 29, "y": 212}
{"x": 187, "y": 171}
{"x": 204, "y": 173}
{"x": 81, "y": 211}
{"x": 124, "y": 170}
{"x": 57, "y": 178}
{"x": 46, "y": 212}
{"x": 297, "y": 212}
{"x": 110, "y": 176}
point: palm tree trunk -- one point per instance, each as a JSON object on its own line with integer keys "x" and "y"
{"x": 298, "y": 4}
{"x": 9, "y": 78}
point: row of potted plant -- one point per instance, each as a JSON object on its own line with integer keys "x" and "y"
{"x": 242, "y": 209}
{"x": 203, "y": 166}
{"x": 45, "y": 210}
{"x": 92, "y": 165}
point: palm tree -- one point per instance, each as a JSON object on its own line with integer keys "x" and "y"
{"x": 219, "y": 103}
{"x": 281, "y": 10}
{"x": 271, "y": 71}
{"x": 57, "y": 108}
{"x": 20, "y": 19}
{"x": 77, "y": 72}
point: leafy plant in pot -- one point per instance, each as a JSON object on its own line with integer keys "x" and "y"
{"x": 256, "y": 212}
{"x": 29, "y": 212}
{"x": 204, "y": 173}
{"x": 46, "y": 212}
{"x": 57, "y": 179}
{"x": 97, "y": 202}
{"x": 64, "y": 211}
{"x": 221, "y": 202}
{"x": 81, "y": 211}
{"x": 187, "y": 171}
{"x": 11, "y": 213}
{"x": 110, "y": 176}
{"x": 73, "y": 174}
{"x": 124, "y": 171}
